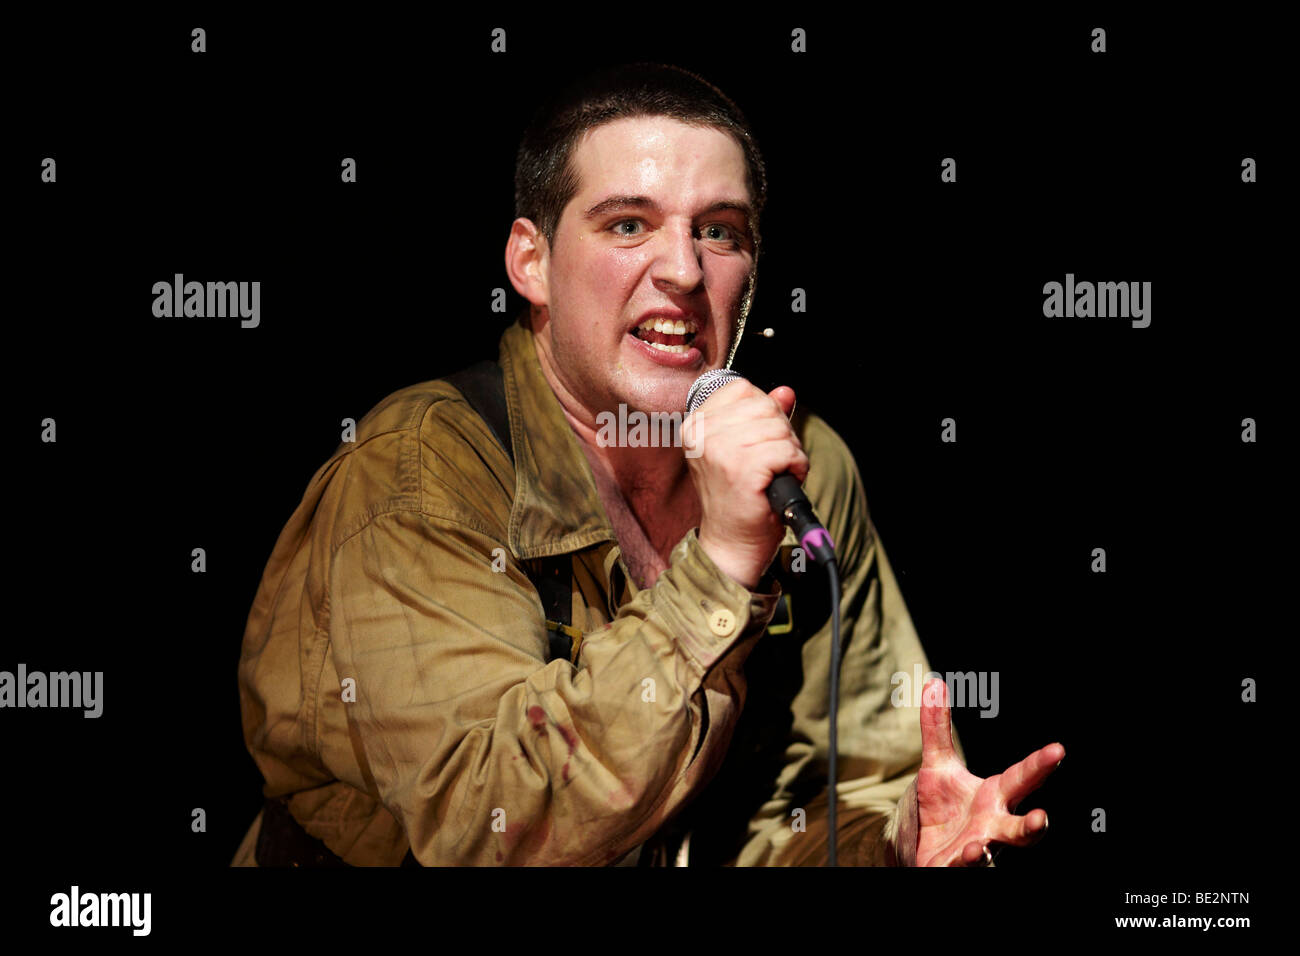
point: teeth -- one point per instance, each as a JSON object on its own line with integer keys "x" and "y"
{"x": 667, "y": 348}
{"x": 670, "y": 326}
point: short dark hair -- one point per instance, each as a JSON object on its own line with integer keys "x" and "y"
{"x": 545, "y": 178}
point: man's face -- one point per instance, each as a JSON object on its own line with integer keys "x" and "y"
{"x": 667, "y": 246}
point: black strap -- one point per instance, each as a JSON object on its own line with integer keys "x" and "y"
{"x": 483, "y": 385}
{"x": 554, "y": 583}
{"x": 282, "y": 841}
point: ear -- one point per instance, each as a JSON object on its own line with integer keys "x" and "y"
{"x": 528, "y": 262}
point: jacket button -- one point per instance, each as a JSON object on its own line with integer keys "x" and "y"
{"x": 722, "y": 622}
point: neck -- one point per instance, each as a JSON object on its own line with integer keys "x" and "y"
{"x": 650, "y": 481}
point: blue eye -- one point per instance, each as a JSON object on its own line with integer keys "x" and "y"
{"x": 730, "y": 233}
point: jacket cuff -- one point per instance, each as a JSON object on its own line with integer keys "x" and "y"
{"x": 707, "y": 609}
{"x": 901, "y": 834}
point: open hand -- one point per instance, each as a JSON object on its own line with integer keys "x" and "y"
{"x": 961, "y": 816}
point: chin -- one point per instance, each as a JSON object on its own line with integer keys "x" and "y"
{"x": 663, "y": 396}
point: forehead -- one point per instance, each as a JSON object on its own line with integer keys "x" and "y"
{"x": 642, "y": 153}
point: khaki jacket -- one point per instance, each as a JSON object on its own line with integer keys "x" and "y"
{"x": 394, "y": 685}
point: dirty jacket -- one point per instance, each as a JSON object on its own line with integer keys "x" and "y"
{"x": 394, "y": 678}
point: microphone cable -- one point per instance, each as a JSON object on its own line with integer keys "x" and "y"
{"x": 833, "y": 573}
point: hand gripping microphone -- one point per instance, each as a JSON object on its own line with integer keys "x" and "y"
{"x": 791, "y": 505}
{"x": 783, "y": 494}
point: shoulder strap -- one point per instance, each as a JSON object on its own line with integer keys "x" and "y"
{"x": 483, "y": 385}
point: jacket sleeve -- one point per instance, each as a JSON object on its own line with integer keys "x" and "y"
{"x": 488, "y": 755}
{"x": 879, "y": 740}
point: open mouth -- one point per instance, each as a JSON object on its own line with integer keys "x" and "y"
{"x": 667, "y": 335}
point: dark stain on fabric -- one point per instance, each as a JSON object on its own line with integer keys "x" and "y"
{"x": 569, "y": 736}
{"x": 571, "y": 739}
{"x": 537, "y": 717}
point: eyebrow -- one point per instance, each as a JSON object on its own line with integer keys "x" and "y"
{"x": 616, "y": 203}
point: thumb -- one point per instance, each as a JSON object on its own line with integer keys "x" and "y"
{"x": 936, "y": 724}
{"x": 784, "y": 396}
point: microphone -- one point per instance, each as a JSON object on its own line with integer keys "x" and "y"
{"x": 784, "y": 493}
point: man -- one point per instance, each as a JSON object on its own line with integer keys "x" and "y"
{"x": 399, "y": 688}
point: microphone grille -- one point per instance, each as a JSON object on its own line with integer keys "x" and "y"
{"x": 706, "y": 385}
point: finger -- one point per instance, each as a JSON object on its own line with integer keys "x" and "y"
{"x": 936, "y": 725}
{"x": 783, "y": 395}
{"x": 1024, "y": 831}
{"x": 976, "y": 854}
{"x": 1023, "y": 778}
{"x": 776, "y": 457}
{"x": 744, "y": 411}
{"x": 799, "y": 468}
{"x": 769, "y": 429}
{"x": 731, "y": 390}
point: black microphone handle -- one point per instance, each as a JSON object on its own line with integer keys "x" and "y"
{"x": 791, "y": 505}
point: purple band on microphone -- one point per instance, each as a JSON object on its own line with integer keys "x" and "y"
{"x": 814, "y": 538}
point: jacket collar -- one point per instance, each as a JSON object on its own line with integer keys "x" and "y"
{"x": 556, "y": 508}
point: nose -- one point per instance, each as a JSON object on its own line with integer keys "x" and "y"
{"x": 677, "y": 266}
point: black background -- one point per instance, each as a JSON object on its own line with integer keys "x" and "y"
{"x": 924, "y": 302}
